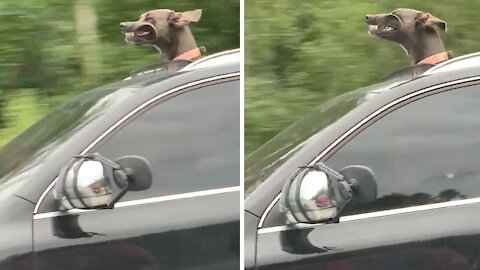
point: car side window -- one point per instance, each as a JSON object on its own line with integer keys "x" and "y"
{"x": 191, "y": 141}
{"x": 422, "y": 153}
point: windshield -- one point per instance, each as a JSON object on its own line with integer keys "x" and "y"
{"x": 266, "y": 159}
{"x": 26, "y": 150}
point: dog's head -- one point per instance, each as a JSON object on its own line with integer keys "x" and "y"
{"x": 403, "y": 23}
{"x": 158, "y": 24}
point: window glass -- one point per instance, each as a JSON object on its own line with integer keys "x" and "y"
{"x": 192, "y": 141}
{"x": 425, "y": 152}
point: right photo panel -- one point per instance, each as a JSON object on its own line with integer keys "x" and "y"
{"x": 362, "y": 135}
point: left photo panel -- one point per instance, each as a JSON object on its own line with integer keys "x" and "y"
{"x": 120, "y": 135}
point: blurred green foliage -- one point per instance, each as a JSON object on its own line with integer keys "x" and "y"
{"x": 299, "y": 53}
{"x": 52, "y": 50}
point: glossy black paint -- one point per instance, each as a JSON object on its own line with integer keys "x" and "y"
{"x": 200, "y": 232}
{"x": 16, "y": 250}
{"x": 197, "y": 233}
{"x": 444, "y": 238}
{"x": 250, "y": 239}
{"x": 392, "y": 242}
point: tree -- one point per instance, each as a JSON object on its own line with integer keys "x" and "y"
{"x": 87, "y": 39}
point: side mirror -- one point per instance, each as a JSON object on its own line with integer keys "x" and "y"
{"x": 318, "y": 193}
{"x": 94, "y": 182}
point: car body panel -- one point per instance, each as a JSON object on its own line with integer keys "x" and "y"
{"x": 16, "y": 249}
{"x": 407, "y": 241}
{"x": 250, "y": 239}
{"x": 261, "y": 197}
{"x": 436, "y": 236}
{"x": 190, "y": 233}
{"x": 197, "y": 230}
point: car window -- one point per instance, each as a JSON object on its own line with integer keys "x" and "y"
{"x": 300, "y": 135}
{"x": 422, "y": 153}
{"x": 191, "y": 141}
{"x": 425, "y": 152}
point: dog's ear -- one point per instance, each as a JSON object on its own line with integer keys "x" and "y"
{"x": 430, "y": 20}
{"x": 183, "y": 18}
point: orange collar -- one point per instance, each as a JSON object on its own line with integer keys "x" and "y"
{"x": 189, "y": 55}
{"x": 435, "y": 59}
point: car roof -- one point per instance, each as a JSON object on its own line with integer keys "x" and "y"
{"x": 219, "y": 59}
{"x": 461, "y": 62}
{"x": 126, "y": 95}
{"x": 154, "y": 80}
{"x": 454, "y": 69}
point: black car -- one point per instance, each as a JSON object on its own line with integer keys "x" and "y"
{"x": 176, "y": 130}
{"x": 385, "y": 177}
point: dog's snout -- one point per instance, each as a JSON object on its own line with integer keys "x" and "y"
{"x": 123, "y": 25}
{"x": 369, "y": 19}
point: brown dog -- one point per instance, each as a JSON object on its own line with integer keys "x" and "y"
{"x": 167, "y": 31}
{"x": 415, "y": 31}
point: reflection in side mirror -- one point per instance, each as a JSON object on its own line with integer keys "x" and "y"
{"x": 93, "y": 182}
{"x": 318, "y": 193}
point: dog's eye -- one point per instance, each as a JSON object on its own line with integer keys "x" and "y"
{"x": 148, "y": 18}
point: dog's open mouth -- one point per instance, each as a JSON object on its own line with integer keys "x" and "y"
{"x": 142, "y": 34}
{"x": 375, "y": 28}
{"x": 137, "y": 34}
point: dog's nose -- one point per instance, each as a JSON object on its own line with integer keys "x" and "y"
{"x": 122, "y": 25}
{"x": 367, "y": 17}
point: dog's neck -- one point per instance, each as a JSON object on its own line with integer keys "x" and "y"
{"x": 180, "y": 42}
{"x": 423, "y": 46}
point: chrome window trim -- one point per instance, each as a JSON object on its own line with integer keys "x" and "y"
{"x": 128, "y": 116}
{"x": 173, "y": 197}
{"x": 358, "y": 126}
{"x": 377, "y": 214}
{"x": 269, "y": 208}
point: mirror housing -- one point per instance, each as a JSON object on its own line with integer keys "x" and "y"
{"x": 318, "y": 193}
{"x": 94, "y": 182}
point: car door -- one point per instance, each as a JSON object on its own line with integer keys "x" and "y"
{"x": 425, "y": 156}
{"x": 187, "y": 219}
